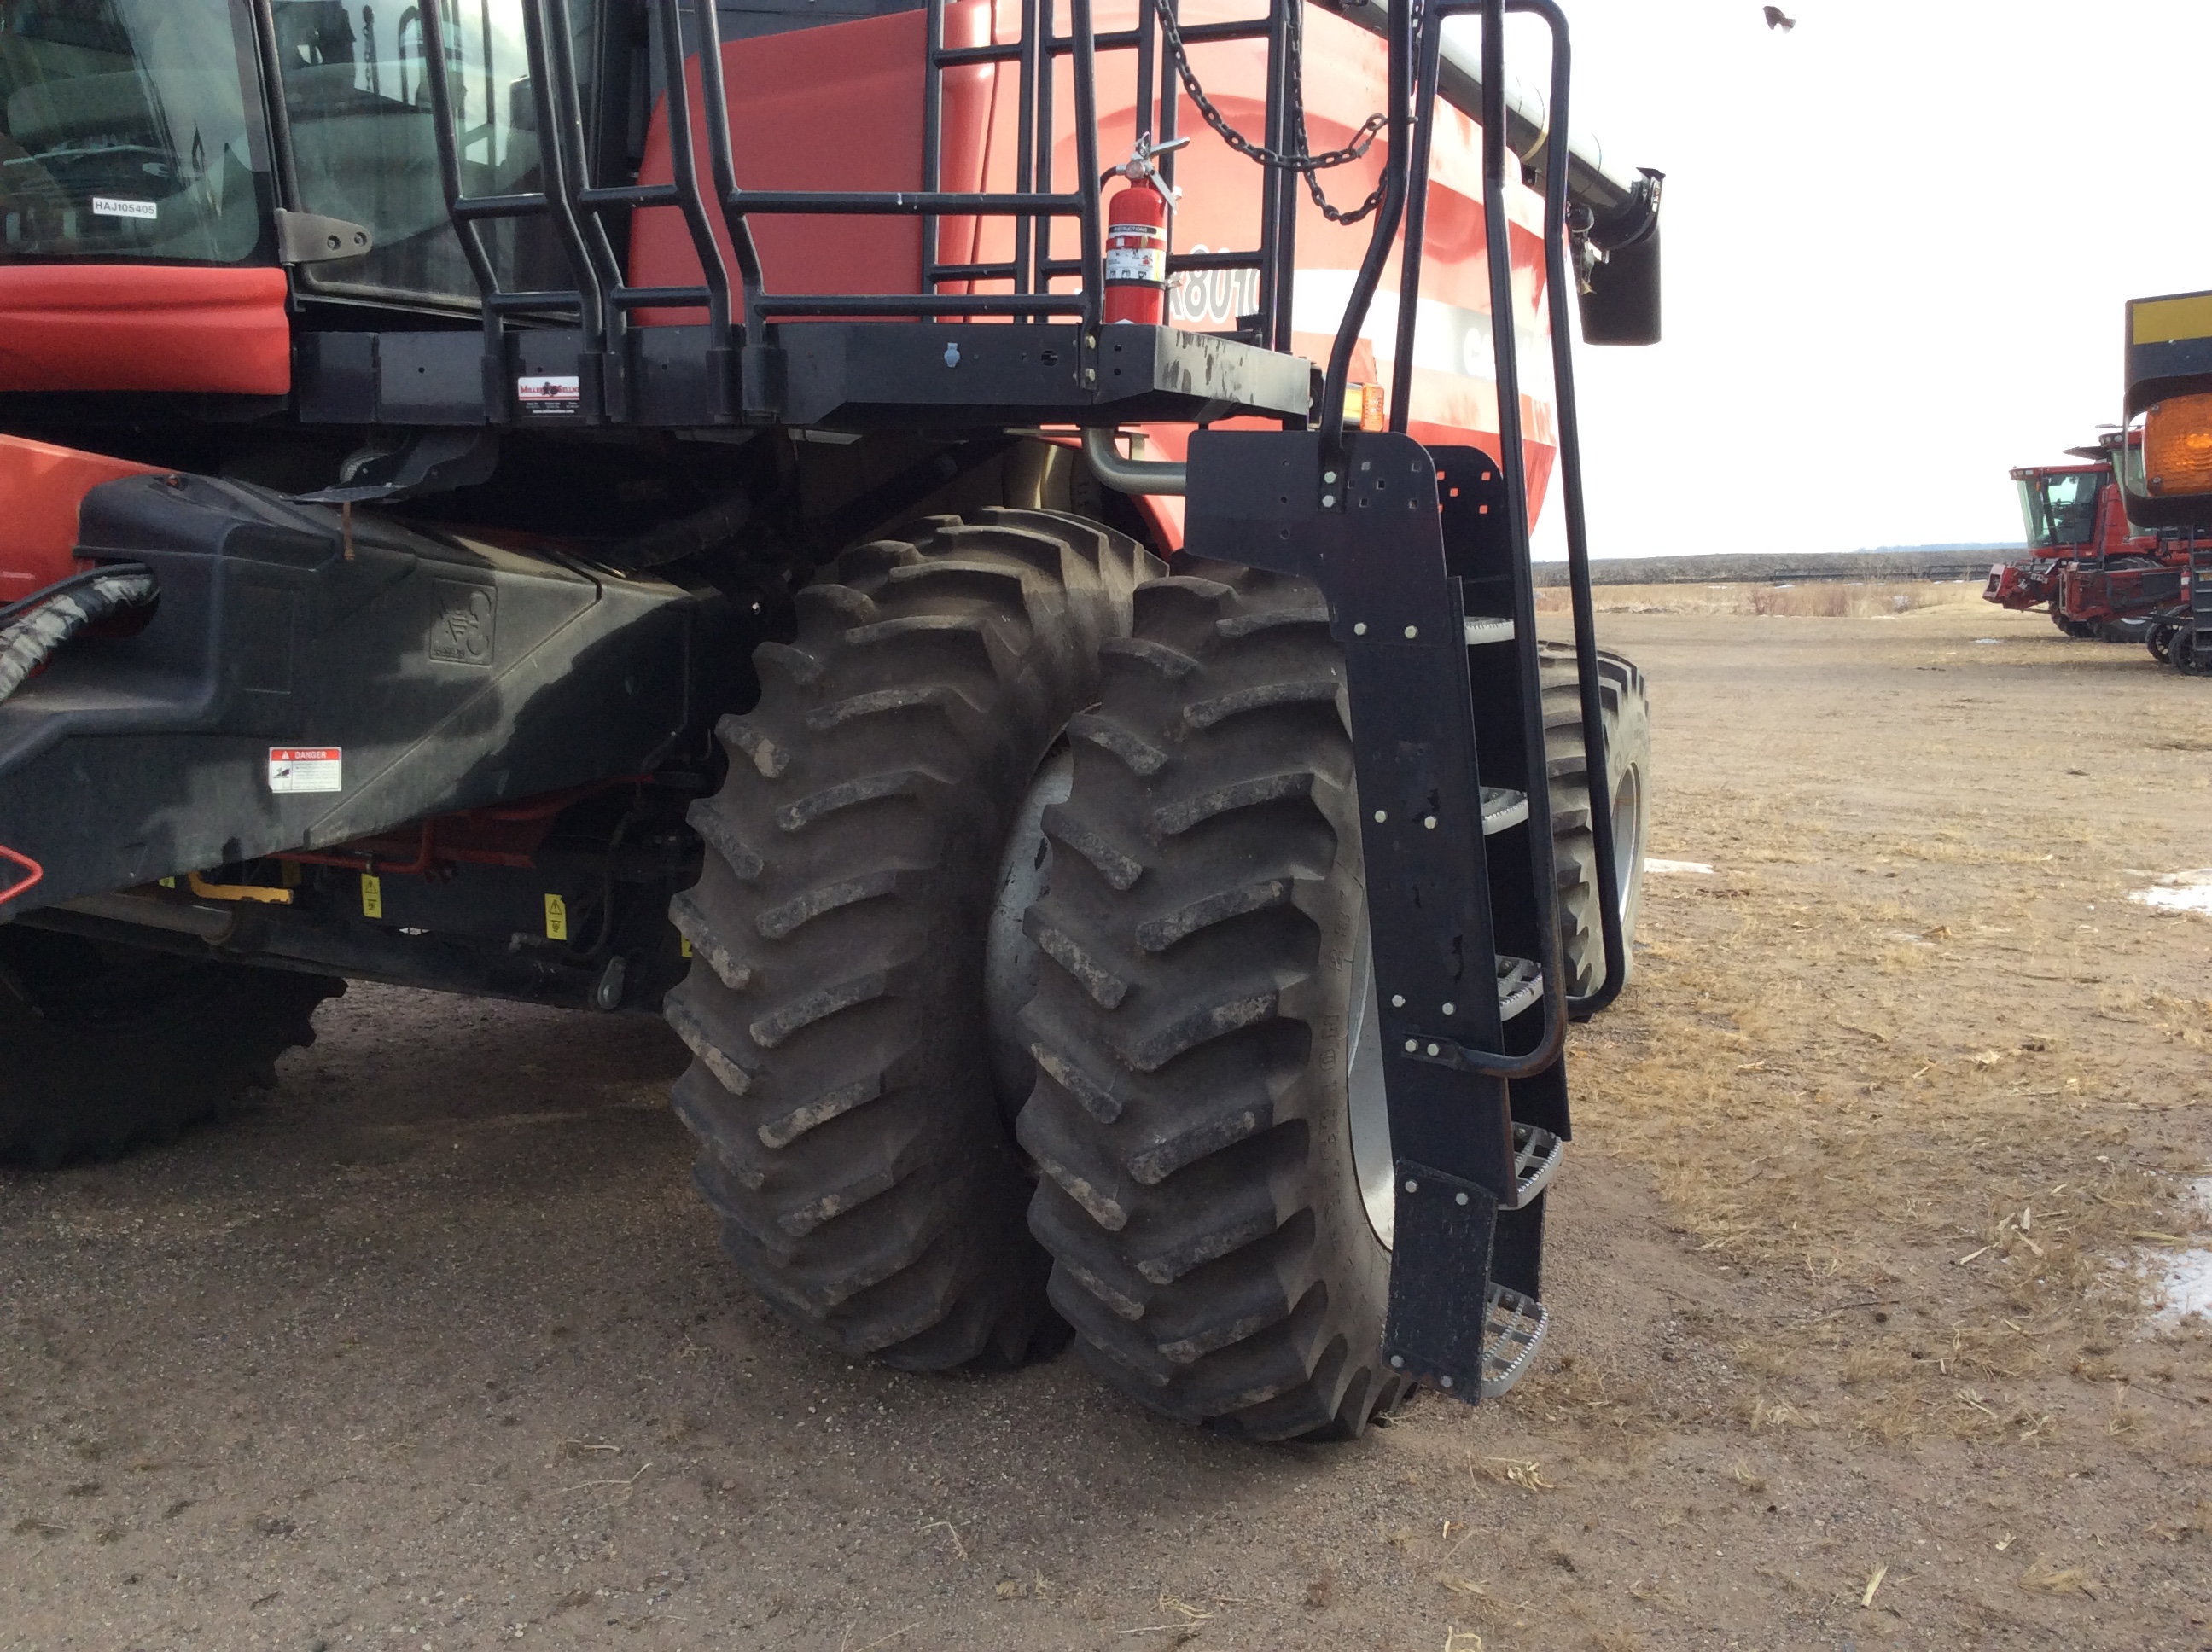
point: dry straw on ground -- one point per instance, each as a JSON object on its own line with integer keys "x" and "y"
{"x": 1822, "y": 599}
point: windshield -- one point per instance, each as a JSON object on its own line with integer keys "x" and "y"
{"x": 2060, "y": 508}
{"x": 123, "y": 130}
{"x": 358, "y": 99}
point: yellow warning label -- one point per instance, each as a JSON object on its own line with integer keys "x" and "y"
{"x": 2164, "y": 320}
{"x": 684, "y": 943}
{"x": 557, "y": 919}
{"x": 168, "y": 883}
{"x": 372, "y": 896}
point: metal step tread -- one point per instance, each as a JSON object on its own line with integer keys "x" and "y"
{"x": 1513, "y": 1330}
{"x": 1520, "y": 985}
{"x": 1482, "y": 628}
{"x": 1537, "y": 1155}
{"x": 1501, "y": 807}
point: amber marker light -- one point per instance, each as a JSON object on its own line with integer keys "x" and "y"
{"x": 1364, "y": 407}
{"x": 2176, "y": 445}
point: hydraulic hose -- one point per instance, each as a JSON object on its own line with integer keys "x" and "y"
{"x": 32, "y": 629}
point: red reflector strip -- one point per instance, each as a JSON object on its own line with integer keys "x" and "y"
{"x": 34, "y": 869}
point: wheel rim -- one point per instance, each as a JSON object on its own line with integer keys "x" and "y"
{"x": 1627, "y": 838}
{"x": 1366, "y": 1104}
{"x": 1010, "y": 959}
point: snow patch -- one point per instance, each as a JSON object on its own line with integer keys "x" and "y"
{"x": 2184, "y": 1278}
{"x": 1662, "y": 867}
{"x": 2178, "y": 891}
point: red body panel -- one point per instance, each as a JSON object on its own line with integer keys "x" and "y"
{"x": 41, "y": 489}
{"x": 144, "y": 327}
{"x": 832, "y": 108}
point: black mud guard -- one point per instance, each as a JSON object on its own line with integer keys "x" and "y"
{"x": 417, "y": 671}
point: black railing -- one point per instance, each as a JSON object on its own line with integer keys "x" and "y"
{"x": 603, "y": 300}
{"x": 1415, "y": 35}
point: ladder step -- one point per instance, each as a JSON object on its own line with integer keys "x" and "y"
{"x": 1513, "y": 1330}
{"x": 1480, "y": 628}
{"x": 1501, "y": 808}
{"x": 1537, "y": 1155}
{"x": 1520, "y": 984}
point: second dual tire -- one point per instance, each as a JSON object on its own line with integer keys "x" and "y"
{"x": 1625, "y": 712}
{"x": 853, "y": 1115}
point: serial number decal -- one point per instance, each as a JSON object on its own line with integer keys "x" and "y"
{"x": 120, "y": 206}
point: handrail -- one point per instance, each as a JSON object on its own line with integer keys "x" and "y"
{"x": 1395, "y": 172}
{"x": 1559, "y": 1006}
{"x": 1131, "y": 475}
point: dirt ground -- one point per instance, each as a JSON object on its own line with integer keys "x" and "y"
{"x": 1852, "y": 1267}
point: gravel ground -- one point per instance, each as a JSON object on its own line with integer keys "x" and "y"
{"x": 1851, "y": 1268}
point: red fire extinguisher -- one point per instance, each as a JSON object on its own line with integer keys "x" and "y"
{"x": 1136, "y": 237}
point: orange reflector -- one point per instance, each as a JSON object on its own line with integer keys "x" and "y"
{"x": 1363, "y": 406}
{"x": 2178, "y": 445}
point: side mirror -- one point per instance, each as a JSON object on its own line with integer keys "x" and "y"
{"x": 1619, "y": 296}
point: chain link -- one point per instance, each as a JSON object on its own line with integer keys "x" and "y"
{"x": 1298, "y": 157}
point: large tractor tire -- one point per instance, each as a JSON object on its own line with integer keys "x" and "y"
{"x": 1192, "y": 1114}
{"x": 854, "y": 1108}
{"x": 1208, "y": 1112}
{"x": 103, "y": 1048}
{"x": 2183, "y": 654}
{"x": 1625, "y": 708}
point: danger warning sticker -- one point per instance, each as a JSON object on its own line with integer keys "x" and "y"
{"x": 305, "y": 768}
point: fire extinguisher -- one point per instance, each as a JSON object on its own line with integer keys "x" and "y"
{"x": 1137, "y": 236}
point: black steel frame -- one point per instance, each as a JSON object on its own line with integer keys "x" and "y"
{"x": 742, "y": 355}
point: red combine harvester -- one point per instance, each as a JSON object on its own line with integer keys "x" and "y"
{"x": 2096, "y": 572}
{"x": 621, "y": 504}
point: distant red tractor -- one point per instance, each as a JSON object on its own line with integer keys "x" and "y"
{"x": 2095, "y": 571}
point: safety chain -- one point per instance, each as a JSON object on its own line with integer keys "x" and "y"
{"x": 1297, "y": 158}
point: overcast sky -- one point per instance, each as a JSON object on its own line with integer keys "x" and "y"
{"x": 1898, "y": 242}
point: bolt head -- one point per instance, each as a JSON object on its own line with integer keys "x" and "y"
{"x": 1459, "y": 1198}
{"x": 1397, "y": 1000}
{"x": 1328, "y": 501}
{"x": 1444, "y": 1382}
{"x": 1397, "y": 1362}
{"x": 1328, "y": 476}
{"x": 1359, "y": 630}
{"x": 1412, "y": 631}
{"x": 1413, "y": 1186}
{"x": 1382, "y": 815}
{"x": 1448, "y": 1008}
{"x": 1412, "y": 1045}
{"x": 1432, "y": 1049}
{"x": 1429, "y": 821}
